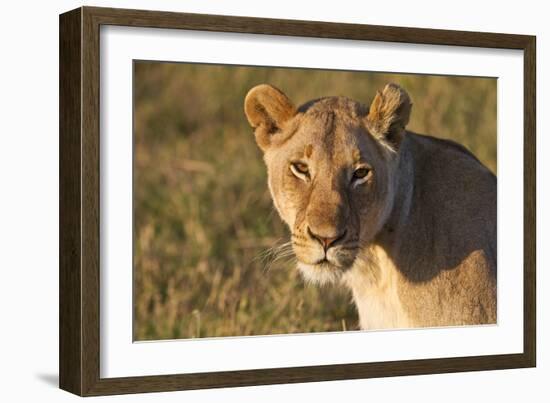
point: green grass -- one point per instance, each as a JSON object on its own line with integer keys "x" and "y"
{"x": 203, "y": 217}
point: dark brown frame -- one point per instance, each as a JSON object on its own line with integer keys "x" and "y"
{"x": 79, "y": 201}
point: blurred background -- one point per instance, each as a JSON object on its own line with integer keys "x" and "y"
{"x": 205, "y": 231}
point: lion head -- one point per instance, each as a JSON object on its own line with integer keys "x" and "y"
{"x": 331, "y": 165}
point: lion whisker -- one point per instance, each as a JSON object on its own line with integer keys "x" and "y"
{"x": 276, "y": 253}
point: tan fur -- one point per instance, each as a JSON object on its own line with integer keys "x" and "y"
{"x": 389, "y": 113}
{"x": 414, "y": 240}
{"x": 267, "y": 109}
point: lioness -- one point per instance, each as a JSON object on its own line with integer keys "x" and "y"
{"x": 406, "y": 221}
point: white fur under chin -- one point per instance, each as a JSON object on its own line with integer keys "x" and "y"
{"x": 372, "y": 280}
{"x": 320, "y": 274}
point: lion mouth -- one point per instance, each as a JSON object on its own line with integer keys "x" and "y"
{"x": 322, "y": 261}
{"x": 322, "y": 266}
{"x": 326, "y": 262}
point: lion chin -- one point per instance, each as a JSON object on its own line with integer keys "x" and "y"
{"x": 321, "y": 273}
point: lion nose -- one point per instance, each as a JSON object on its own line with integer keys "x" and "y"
{"x": 326, "y": 242}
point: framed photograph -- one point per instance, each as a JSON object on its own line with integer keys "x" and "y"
{"x": 249, "y": 201}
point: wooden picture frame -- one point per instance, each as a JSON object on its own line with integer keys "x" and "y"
{"x": 79, "y": 201}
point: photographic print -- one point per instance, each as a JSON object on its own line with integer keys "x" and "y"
{"x": 291, "y": 201}
{"x": 282, "y": 200}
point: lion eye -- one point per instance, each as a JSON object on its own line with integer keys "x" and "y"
{"x": 360, "y": 175}
{"x": 300, "y": 169}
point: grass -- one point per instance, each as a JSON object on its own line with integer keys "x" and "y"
{"x": 203, "y": 217}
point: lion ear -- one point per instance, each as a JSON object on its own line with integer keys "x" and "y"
{"x": 267, "y": 110}
{"x": 389, "y": 114}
